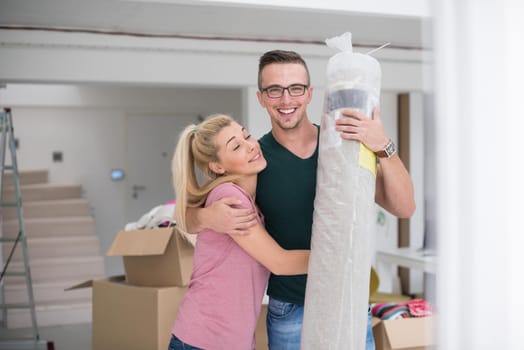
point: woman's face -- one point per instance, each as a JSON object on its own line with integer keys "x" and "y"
{"x": 238, "y": 152}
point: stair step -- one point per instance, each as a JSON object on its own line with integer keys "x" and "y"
{"x": 50, "y": 247}
{"x": 52, "y": 227}
{"x": 46, "y": 292}
{"x": 63, "y": 250}
{"x": 42, "y": 192}
{"x": 27, "y": 177}
{"x": 51, "y": 208}
{"x": 52, "y": 314}
{"x": 58, "y": 269}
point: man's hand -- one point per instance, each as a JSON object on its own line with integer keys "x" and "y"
{"x": 394, "y": 188}
{"x": 357, "y": 126}
{"x": 221, "y": 216}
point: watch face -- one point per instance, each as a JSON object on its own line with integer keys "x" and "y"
{"x": 390, "y": 149}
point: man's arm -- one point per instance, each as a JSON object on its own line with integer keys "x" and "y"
{"x": 221, "y": 216}
{"x": 394, "y": 188}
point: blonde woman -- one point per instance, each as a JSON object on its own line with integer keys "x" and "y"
{"x": 230, "y": 272}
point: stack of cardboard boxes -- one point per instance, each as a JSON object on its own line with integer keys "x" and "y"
{"x": 137, "y": 311}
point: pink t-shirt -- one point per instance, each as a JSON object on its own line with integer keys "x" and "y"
{"x": 221, "y": 307}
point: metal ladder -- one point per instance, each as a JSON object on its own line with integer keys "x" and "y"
{"x": 7, "y": 140}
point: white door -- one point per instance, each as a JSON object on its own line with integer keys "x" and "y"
{"x": 150, "y": 143}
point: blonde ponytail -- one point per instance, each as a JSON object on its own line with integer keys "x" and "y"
{"x": 180, "y": 168}
{"x": 196, "y": 148}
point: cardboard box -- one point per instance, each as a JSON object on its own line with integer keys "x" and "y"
{"x": 131, "y": 317}
{"x": 414, "y": 333}
{"x": 261, "y": 330}
{"x": 157, "y": 257}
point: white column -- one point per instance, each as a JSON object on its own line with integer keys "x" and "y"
{"x": 479, "y": 186}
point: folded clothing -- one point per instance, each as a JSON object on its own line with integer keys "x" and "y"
{"x": 396, "y": 310}
{"x": 419, "y": 308}
{"x": 159, "y": 216}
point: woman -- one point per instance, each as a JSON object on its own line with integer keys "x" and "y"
{"x": 223, "y": 301}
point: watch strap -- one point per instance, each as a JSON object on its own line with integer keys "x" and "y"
{"x": 388, "y": 151}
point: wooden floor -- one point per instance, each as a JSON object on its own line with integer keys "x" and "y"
{"x": 70, "y": 337}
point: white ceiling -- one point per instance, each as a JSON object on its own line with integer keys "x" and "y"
{"x": 244, "y": 20}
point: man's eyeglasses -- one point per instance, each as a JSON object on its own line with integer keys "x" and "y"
{"x": 276, "y": 91}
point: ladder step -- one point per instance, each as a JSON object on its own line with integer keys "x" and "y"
{"x": 7, "y": 167}
{"x": 16, "y": 306}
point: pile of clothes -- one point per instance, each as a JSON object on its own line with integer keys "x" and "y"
{"x": 404, "y": 309}
{"x": 160, "y": 216}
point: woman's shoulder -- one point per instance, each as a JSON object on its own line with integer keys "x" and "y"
{"x": 229, "y": 189}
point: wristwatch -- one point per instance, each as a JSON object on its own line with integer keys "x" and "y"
{"x": 389, "y": 150}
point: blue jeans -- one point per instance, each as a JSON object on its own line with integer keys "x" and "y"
{"x": 177, "y": 344}
{"x": 284, "y": 326}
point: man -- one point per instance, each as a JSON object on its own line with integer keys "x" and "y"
{"x": 286, "y": 188}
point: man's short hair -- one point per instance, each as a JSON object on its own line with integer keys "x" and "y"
{"x": 279, "y": 56}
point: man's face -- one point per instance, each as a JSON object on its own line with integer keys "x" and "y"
{"x": 286, "y": 111}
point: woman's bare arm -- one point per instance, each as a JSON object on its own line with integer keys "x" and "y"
{"x": 261, "y": 246}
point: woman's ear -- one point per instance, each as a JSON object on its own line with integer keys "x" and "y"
{"x": 216, "y": 168}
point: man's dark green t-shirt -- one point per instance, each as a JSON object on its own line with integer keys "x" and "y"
{"x": 285, "y": 195}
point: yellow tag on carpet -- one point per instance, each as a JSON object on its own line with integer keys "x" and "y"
{"x": 367, "y": 159}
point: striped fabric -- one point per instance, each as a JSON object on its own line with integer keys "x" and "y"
{"x": 396, "y": 310}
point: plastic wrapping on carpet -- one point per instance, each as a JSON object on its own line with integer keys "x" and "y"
{"x": 337, "y": 293}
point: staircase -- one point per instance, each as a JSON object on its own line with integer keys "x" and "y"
{"x": 63, "y": 251}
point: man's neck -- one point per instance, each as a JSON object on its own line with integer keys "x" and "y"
{"x": 301, "y": 141}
